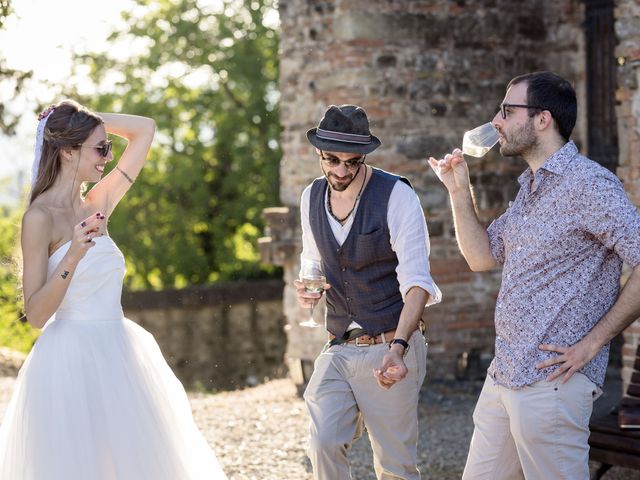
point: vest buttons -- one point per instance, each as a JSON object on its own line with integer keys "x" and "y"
{"x": 348, "y": 299}
{"x": 343, "y": 269}
{"x": 346, "y": 283}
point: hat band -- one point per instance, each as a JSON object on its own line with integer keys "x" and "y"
{"x": 343, "y": 137}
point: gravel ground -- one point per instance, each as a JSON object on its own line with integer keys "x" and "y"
{"x": 260, "y": 433}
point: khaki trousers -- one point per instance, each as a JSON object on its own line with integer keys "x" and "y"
{"x": 343, "y": 390}
{"x": 539, "y": 432}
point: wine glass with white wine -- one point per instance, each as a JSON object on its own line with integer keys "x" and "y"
{"x": 313, "y": 278}
{"x": 480, "y": 140}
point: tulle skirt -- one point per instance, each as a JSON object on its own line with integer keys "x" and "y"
{"x": 95, "y": 400}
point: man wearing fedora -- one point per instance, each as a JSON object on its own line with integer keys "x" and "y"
{"x": 367, "y": 228}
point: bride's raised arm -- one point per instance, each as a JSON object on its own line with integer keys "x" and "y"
{"x": 139, "y": 132}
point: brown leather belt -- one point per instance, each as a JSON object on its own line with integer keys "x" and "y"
{"x": 366, "y": 340}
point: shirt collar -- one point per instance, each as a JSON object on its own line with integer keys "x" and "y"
{"x": 556, "y": 163}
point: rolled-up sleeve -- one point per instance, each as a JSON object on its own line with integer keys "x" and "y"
{"x": 609, "y": 216}
{"x": 410, "y": 242}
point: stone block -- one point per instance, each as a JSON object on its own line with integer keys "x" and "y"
{"x": 375, "y": 27}
{"x": 627, "y": 27}
{"x": 417, "y": 145}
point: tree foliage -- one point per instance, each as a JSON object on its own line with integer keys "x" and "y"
{"x": 14, "y": 331}
{"x": 208, "y": 76}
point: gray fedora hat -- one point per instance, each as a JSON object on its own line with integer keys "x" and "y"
{"x": 344, "y": 129}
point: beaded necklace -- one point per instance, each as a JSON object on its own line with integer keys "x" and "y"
{"x": 341, "y": 220}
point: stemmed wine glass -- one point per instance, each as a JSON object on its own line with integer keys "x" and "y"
{"x": 313, "y": 279}
{"x": 478, "y": 142}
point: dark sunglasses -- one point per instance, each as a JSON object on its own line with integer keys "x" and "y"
{"x": 350, "y": 164}
{"x": 103, "y": 149}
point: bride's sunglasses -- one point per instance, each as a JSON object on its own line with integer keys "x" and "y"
{"x": 103, "y": 149}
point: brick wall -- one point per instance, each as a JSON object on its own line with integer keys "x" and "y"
{"x": 628, "y": 113}
{"x": 217, "y": 337}
{"x": 425, "y": 71}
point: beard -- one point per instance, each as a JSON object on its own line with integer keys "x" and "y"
{"x": 340, "y": 184}
{"x": 519, "y": 142}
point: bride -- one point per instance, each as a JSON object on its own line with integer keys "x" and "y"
{"x": 95, "y": 399}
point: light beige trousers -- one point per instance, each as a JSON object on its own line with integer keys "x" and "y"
{"x": 342, "y": 390}
{"x": 539, "y": 432}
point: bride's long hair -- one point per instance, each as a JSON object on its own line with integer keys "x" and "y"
{"x": 68, "y": 126}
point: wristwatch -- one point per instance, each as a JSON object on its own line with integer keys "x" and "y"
{"x": 402, "y": 342}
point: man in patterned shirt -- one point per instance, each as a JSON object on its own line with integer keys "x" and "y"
{"x": 562, "y": 243}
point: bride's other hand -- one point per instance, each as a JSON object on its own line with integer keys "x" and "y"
{"x": 43, "y": 290}
{"x": 84, "y": 233}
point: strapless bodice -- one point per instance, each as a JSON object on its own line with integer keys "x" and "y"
{"x": 96, "y": 287}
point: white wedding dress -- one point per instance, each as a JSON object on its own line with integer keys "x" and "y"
{"x": 95, "y": 399}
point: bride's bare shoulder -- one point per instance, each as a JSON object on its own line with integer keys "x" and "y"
{"x": 37, "y": 221}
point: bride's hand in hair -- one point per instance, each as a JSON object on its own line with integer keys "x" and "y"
{"x": 84, "y": 233}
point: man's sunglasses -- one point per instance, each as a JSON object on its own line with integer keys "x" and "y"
{"x": 505, "y": 106}
{"x": 350, "y": 164}
{"x": 103, "y": 149}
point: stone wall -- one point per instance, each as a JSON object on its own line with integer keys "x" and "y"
{"x": 425, "y": 71}
{"x": 628, "y": 113}
{"x": 218, "y": 337}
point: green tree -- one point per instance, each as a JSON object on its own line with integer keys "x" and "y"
{"x": 208, "y": 76}
{"x": 14, "y": 331}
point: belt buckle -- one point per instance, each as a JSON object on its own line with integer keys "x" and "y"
{"x": 372, "y": 341}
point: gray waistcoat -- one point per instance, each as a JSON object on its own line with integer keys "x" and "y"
{"x": 362, "y": 272}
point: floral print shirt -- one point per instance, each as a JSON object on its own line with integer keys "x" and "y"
{"x": 562, "y": 243}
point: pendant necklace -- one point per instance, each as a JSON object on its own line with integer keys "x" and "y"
{"x": 341, "y": 220}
